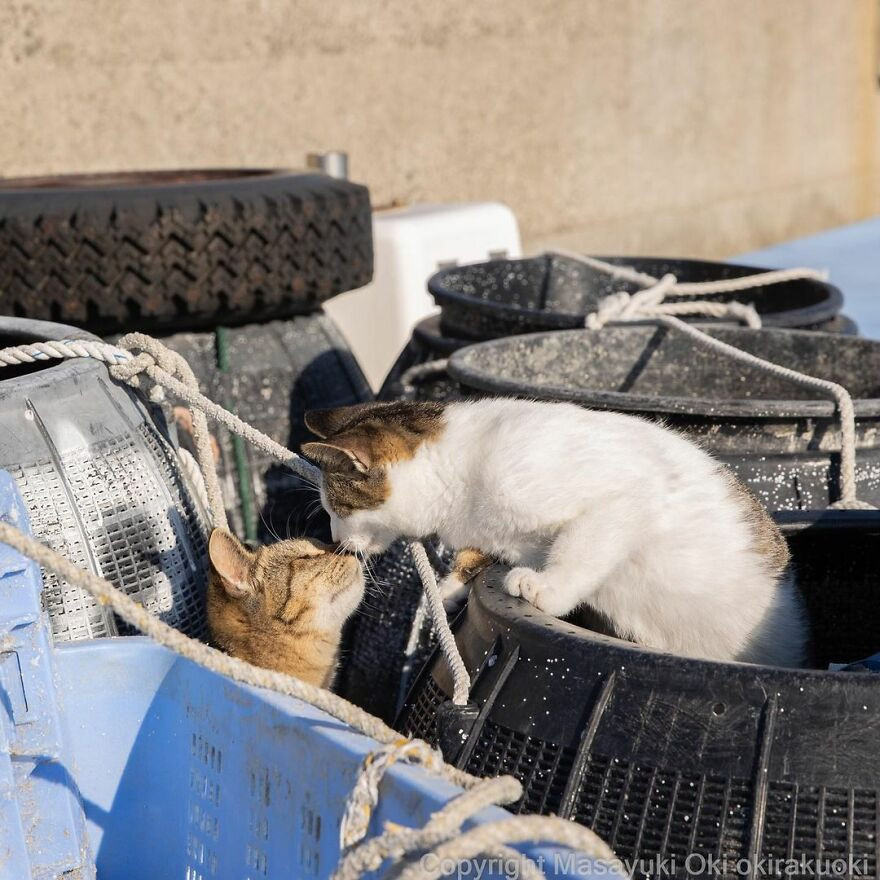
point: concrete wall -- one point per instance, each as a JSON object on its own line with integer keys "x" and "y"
{"x": 686, "y": 126}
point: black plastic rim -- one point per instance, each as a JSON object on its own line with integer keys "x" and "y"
{"x": 504, "y": 608}
{"x": 463, "y": 369}
{"x": 828, "y": 303}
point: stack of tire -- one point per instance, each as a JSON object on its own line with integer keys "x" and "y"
{"x": 230, "y": 269}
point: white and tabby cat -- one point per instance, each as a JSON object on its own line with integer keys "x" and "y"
{"x": 590, "y": 508}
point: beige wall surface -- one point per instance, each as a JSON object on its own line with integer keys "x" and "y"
{"x": 675, "y": 126}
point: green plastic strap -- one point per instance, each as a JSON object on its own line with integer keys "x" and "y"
{"x": 239, "y": 454}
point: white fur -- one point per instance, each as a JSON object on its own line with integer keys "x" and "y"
{"x": 597, "y": 508}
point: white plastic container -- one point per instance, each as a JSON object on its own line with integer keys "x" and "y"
{"x": 410, "y": 245}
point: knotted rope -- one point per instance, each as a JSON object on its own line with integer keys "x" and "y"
{"x": 397, "y": 841}
{"x": 648, "y": 303}
{"x": 169, "y": 370}
{"x": 365, "y": 795}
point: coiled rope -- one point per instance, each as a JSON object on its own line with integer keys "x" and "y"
{"x": 440, "y": 837}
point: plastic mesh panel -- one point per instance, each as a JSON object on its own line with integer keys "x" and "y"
{"x": 119, "y": 509}
{"x": 73, "y": 614}
{"x": 542, "y": 767}
{"x": 651, "y": 813}
{"x": 828, "y": 822}
{"x": 648, "y": 813}
{"x": 421, "y": 721}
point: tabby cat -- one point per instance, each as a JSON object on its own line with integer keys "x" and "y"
{"x": 282, "y": 606}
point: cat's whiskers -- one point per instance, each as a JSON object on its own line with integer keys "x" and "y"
{"x": 365, "y": 565}
{"x": 267, "y": 524}
{"x": 307, "y": 484}
{"x": 370, "y": 573}
{"x": 313, "y": 508}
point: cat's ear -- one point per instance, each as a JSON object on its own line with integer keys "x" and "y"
{"x": 347, "y": 456}
{"x": 232, "y": 562}
{"x": 325, "y": 423}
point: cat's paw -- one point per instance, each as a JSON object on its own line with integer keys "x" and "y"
{"x": 526, "y": 583}
{"x": 532, "y": 586}
{"x": 453, "y": 592}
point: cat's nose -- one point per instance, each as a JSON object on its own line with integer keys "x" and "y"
{"x": 341, "y": 549}
{"x": 331, "y": 547}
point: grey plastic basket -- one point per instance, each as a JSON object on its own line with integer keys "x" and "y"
{"x": 102, "y": 485}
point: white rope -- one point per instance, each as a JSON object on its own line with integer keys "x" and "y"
{"x": 648, "y": 304}
{"x": 398, "y": 841}
{"x": 365, "y": 794}
{"x": 695, "y": 288}
{"x": 845, "y": 409}
{"x": 461, "y": 680}
{"x": 63, "y": 348}
{"x": 193, "y": 474}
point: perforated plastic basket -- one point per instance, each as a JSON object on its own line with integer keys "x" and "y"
{"x": 101, "y": 482}
{"x": 670, "y": 758}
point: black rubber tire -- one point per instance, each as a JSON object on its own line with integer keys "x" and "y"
{"x": 181, "y": 249}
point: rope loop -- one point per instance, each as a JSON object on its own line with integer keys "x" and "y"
{"x": 365, "y": 795}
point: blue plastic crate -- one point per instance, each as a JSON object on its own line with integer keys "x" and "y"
{"x": 124, "y": 753}
{"x": 42, "y": 832}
